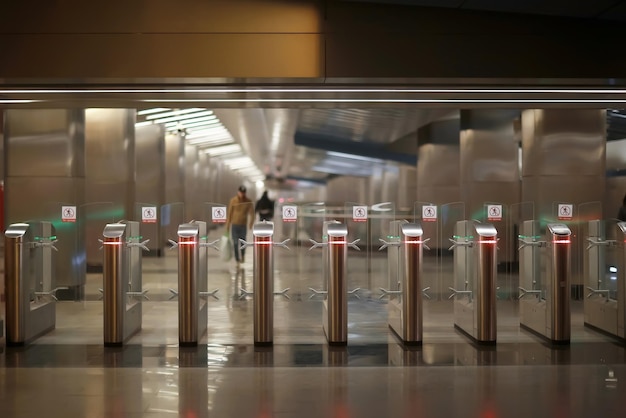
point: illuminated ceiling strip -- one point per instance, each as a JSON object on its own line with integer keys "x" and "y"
{"x": 207, "y": 113}
{"x": 153, "y": 110}
{"x": 209, "y": 141}
{"x": 320, "y": 90}
{"x": 174, "y": 113}
{"x": 485, "y": 101}
{"x": 17, "y": 101}
{"x": 138, "y": 124}
{"x": 192, "y": 123}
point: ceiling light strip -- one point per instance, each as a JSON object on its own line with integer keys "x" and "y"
{"x": 320, "y": 90}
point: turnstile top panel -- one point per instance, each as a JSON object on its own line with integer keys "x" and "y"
{"x": 263, "y": 229}
{"x": 559, "y": 229}
{"x": 188, "y": 230}
{"x": 485, "y": 230}
{"x": 114, "y": 230}
{"x": 16, "y": 230}
{"x": 622, "y": 226}
{"x": 412, "y": 229}
{"x": 337, "y": 230}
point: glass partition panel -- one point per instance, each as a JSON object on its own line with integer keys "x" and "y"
{"x": 309, "y": 226}
{"x": 451, "y": 213}
{"x": 147, "y": 214}
{"x": 428, "y": 215}
{"x": 498, "y": 215}
{"x": 356, "y": 218}
{"x": 92, "y": 218}
{"x": 600, "y": 252}
{"x": 567, "y": 213}
{"x": 518, "y": 214}
{"x": 380, "y": 217}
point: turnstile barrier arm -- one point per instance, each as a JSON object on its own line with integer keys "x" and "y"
{"x": 353, "y": 244}
{"x": 50, "y": 244}
{"x": 604, "y": 292}
{"x": 460, "y": 292}
{"x": 174, "y": 244}
{"x": 594, "y": 242}
{"x": 317, "y": 244}
{"x": 524, "y": 292}
{"x": 140, "y": 244}
{"x": 212, "y": 244}
{"x": 526, "y": 243}
{"x": 456, "y": 243}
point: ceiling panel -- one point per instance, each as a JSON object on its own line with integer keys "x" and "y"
{"x": 603, "y": 9}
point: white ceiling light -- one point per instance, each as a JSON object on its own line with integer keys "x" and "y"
{"x": 223, "y": 150}
{"x": 184, "y": 117}
{"x": 153, "y": 110}
{"x": 175, "y": 113}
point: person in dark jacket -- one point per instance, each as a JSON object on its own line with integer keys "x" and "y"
{"x": 265, "y": 207}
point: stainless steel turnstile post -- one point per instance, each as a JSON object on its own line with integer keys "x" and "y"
{"x": 547, "y": 313}
{"x": 404, "y": 310}
{"x": 29, "y": 277}
{"x": 122, "y": 282}
{"x": 263, "y": 281}
{"x": 263, "y": 270}
{"x": 335, "y": 308}
{"x": 188, "y": 298}
{"x": 475, "y": 273}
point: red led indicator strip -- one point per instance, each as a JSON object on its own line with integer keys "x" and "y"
{"x": 264, "y": 242}
{"x": 112, "y": 243}
{"x": 561, "y": 241}
{"x": 337, "y": 242}
{"x": 413, "y": 242}
{"x": 488, "y": 241}
{"x": 187, "y": 242}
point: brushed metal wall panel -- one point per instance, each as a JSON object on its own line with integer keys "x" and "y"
{"x": 192, "y": 190}
{"x": 174, "y": 173}
{"x": 347, "y": 189}
{"x": 407, "y": 185}
{"x": 489, "y": 146}
{"x": 613, "y": 196}
{"x": 150, "y": 179}
{"x": 45, "y": 142}
{"x": 109, "y": 173}
{"x": 562, "y": 141}
{"x": 41, "y": 198}
{"x": 438, "y": 165}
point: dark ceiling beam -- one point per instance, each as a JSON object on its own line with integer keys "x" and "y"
{"x": 364, "y": 149}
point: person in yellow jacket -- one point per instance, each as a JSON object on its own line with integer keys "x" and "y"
{"x": 240, "y": 216}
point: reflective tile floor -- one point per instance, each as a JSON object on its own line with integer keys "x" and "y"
{"x": 69, "y": 373}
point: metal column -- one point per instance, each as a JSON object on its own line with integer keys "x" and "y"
{"x": 559, "y": 327}
{"x": 336, "y": 304}
{"x": 113, "y": 286}
{"x": 188, "y": 254}
{"x": 15, "y": 283}
{"x": 475, "y": 273}
{"x": 263, "y": 266}
{"x": 405, "y": 304}
{"x": 122, "y": 284}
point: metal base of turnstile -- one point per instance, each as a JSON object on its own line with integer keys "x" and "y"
{"x": 325, "y": 325}
{"x": 396, "y": 324}
{"x": 601, "y": 314}
{"x": 534, "y": 317}
{"x": 464, "y": 321}
{"x": 132, "y": 324}
{"x": 40, "y": 320}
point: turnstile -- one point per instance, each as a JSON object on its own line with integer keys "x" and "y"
{"x": 122, "y": 281}
{"x": 604, "y": 302}
{"x": 404, "y": 254}
{"x": 475, "y": 275}
{"x": 29, "y": 281}
{"x": 335, "y": 259}
{"x": 545, "y": 275}
{"x": 192, "y": 278}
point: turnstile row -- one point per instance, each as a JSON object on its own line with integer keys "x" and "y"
{"x": 475, "y": 244}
